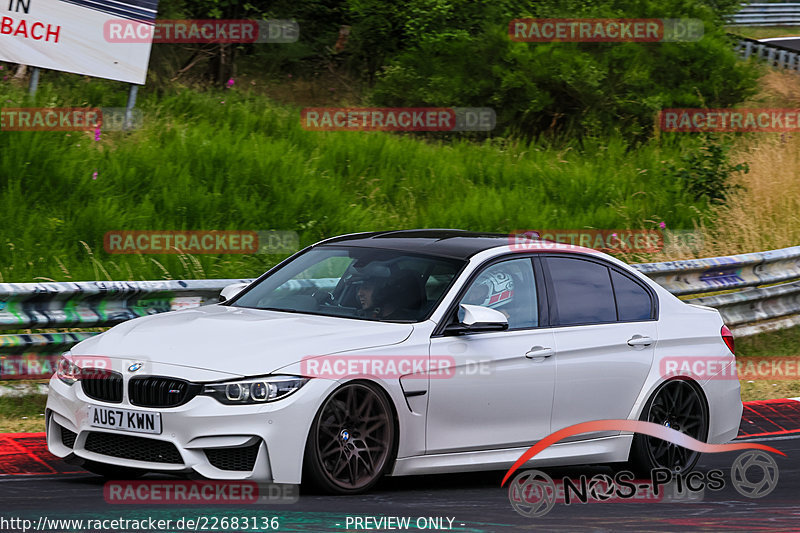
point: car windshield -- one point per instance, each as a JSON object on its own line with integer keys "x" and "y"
{"x": 353, "y": 282}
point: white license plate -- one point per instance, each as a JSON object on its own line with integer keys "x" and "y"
{"x": 125, "y": 419}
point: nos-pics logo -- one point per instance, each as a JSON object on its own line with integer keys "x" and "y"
{"x": 533, "y": 493}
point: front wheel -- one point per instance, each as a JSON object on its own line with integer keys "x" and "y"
{"x": 351, "y": 441}
{"x": 676, "y": 404}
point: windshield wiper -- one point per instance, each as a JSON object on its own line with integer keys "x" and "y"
{"x": 280, "y": 309}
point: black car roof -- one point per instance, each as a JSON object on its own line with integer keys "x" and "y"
{"x": 453, "y": 243}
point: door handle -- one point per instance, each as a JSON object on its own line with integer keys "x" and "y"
{"x": 639, "y": 340}
{"x": 539, "y": 351}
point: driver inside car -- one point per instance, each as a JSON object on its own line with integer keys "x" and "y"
{"x": 388, "y": 299}
{"x": 373, "y": 299}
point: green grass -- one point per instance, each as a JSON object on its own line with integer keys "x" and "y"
{"x": 782, "y": 343}
{"x": 765, "y": 32}
{"x": 770, "y": 344}
{"x": 235, "y": 160}
{"x": 22, "y": 414}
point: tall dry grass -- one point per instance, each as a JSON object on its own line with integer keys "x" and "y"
{"x": 765, "y": 213}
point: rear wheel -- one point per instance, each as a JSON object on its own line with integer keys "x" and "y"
{"x": 676, "y": 404}
{"x": 351, "y": 442}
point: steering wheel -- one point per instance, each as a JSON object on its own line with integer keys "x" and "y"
{"x": 323, "y": 297}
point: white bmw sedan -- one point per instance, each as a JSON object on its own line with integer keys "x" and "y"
{"x": 397, "y": 353}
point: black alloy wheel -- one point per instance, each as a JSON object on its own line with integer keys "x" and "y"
{"x": 352, "y": 440}
{"x": 676, "y": 404}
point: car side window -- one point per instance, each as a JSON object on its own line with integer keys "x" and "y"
{"x": 509, "y": 287}
{"x": 633, "y": 300}
{"x": 583, "y": 291}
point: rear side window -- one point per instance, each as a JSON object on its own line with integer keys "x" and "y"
{"x": 583, "y": 291}
{"x": 633, "y": 301}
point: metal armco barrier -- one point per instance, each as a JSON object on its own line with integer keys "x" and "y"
{"x": 748, "y": 311}
{"x": 697, "y": 276}
{"x": 83, "y": 304}
{"x": 754, "y": 308}
{"x": 768, "y": 14}
{"x": 100, "y": 303}
{"x": 776, "y": 55}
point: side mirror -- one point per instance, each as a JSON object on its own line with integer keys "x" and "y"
{"x": 478, "y": 319}
{"x": 230, "y": 291}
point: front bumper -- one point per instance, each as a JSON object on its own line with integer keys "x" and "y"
{"x": 264, "y": 443}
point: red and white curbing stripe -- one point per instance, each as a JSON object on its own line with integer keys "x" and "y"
{"x": 770, "y": 418}
{"x": 25, "y": 454}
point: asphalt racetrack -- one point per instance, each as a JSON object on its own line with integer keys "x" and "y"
{"x": 474, "y": 502}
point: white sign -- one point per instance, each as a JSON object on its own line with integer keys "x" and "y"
{"x": 68, "y": 35}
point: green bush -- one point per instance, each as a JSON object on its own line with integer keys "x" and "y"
{"x": 706, "y": 171}
{"x": 456, "y": 54}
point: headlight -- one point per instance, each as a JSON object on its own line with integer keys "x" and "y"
{"x": 67, "y": 371}
{"x": 255, "y": 390}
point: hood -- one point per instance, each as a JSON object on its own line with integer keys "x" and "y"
{"x": 239, "y": 341}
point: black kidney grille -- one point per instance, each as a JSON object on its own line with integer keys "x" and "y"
{"x": 241, "y": 459}
{"x": 135, "y": 448}
{"x": 68, "y": 437}
{"x": 156, "y": 391}
{"x": 102, "y": 385}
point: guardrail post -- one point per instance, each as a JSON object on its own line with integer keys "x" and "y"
{"x": 748, "y": 49}
{"x": 777, "y": 56}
